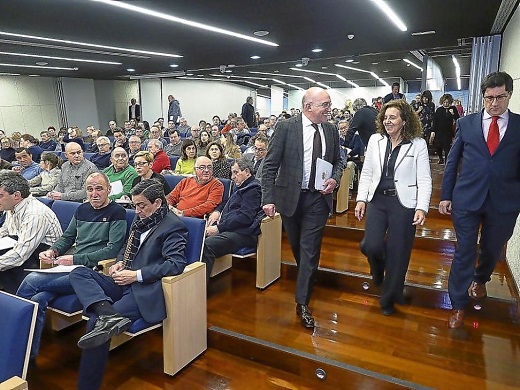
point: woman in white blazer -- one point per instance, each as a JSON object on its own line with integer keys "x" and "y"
{"x": 394, "y": 189}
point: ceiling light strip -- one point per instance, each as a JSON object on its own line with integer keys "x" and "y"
{"x": 171, "y": 18}
{"x": 37, "y": 66}
{"x": 412, "y": 63}
{"x": 390, "y": 14}
{"x": 457, "y": 72}
{"x": 60, "y": 58}
{"x": 46, "y": 39}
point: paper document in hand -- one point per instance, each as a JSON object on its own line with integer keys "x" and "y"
{"x": 7, "y": 243}
{"x": 116, "y": 187}
{"x": 59, "y": 269}
{"x": 323, "y": 172}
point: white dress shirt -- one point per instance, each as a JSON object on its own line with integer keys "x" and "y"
{"x": 308, "y": 140}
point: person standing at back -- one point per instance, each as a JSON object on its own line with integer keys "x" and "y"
{"x": 481, "y": 191}
{"x": 288, "y": 186}
{"x": 174, "y": 109}
{"x": 248, "y": 112}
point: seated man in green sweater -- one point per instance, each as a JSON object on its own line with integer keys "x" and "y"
{"x": 120, "y": 174}
{"x": 98, "y": 228}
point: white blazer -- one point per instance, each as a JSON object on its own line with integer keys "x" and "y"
{"x": 412, "y": 177}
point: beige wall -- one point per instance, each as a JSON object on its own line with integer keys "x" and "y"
{"x": 124, "y": 91}
{"x": 27, "y": 104}
{"x": 509, "y": 60}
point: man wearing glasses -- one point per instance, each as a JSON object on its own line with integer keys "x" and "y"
{"x": 74, "y": 172}
{"x": 484, "y": 192}
{"x": 199, "y": 195}
{"x": 260, "y": 150}
{"x": 101, "y": 159}
{"x": 288, "y": 186}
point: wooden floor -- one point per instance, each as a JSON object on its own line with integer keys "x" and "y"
{"x": 256, "y": 342}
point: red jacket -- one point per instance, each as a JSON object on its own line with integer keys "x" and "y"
{"x": 160, "y": 162}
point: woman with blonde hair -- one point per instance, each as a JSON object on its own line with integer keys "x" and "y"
{"x": 231, "y": 149}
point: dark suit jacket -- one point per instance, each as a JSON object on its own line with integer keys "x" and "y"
{"x": 282, "y": 172}
{"x": 480, "y": 174}
{"x": 137, "y": 112}
{"x": 161, "y": 254}
{"x": 364, "y": 122}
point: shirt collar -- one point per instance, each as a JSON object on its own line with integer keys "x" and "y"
{"x": 505, "y": 115}
{"x": 20, "y": 205}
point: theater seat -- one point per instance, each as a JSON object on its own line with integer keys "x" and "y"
{"x": 185, "y": 328}
{"x": 16, "y": 333}
{"x": 64, "y": 210}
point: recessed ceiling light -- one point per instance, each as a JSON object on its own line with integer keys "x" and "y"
{"x": 255, "y": 57}
{"x": 317, "y": 50}
{"x": 231, "y": 65}
{"x": 33, "y": 75}
{"x": 174, "y": 66}
{"x": 385, "y": 71}
{"x": 355, "y": 62}
{"x": 298, "y": 65}
{"x": 349, "y": 60}
{"x": 42, "y": 63}
{"x": 393, "y": 60}
{"x": 324, "y": 67}
{"x": 375, "y": 63}
{"x": 9, "y": 74}
{"x": 189, "y": 74}
{"x": 130, "y": 70}
{"x": 261, "y": 33}
{"x": 276, "y": 71}
{"x": 228, "y": 71}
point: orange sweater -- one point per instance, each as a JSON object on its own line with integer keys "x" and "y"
{"x": 196, "y": 200}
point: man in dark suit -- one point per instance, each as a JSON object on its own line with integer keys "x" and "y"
{"x": 134, "y": 110}
{"x": 484, "y": 191}
{"x": 394, "y": 95}
{"x": 364, "y": 122}
{"x": 288, "y": 186}
{"x": 155, "y": 248}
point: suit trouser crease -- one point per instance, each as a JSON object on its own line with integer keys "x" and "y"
{"x": 222, "y": 244}
{"x": 497, "y": 229}
{"x": 92, "y": 287}
{"x": 386, "y": 216}
{"x": 305, "y": 231}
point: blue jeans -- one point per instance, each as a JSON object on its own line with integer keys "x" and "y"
{"x": 43, "y": 288}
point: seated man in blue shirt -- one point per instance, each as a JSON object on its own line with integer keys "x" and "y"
{"x": 155, "y": 248}
{"x": 26, "y": 166}
{"x": 236, "y": 224}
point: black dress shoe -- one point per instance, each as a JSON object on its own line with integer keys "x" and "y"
{"x": 306, "y": 318}
{"x": 388, "y": 310}
{"x": 106, "y": 327}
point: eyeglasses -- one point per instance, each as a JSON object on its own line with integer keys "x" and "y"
{"x": 323, "y": 105}
{"x": 141, "y": 163}
{"x": 204, "y": 167}
{"x": 259, "y": 149}
{"x": 499, "y": 98}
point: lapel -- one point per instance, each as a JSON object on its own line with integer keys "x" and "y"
{"x": 152, "y": 230}
{"x": 297, "y": 130}
{"x": 403, "y": 151}
{"x": 509, "y": 134}
{"x": 476, "y": 123}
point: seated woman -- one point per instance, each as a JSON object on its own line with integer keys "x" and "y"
{"x": 221, "y": 166}
{"x": 143, "y": 161}
{"x": 32, "y": 145}
{"x": 7, "y": 151}
{"x": 186, "y": 164}
{"x": 49, "y": 178}
{"x": 74, "y": 135}
{"x": 202, "y": 142}
{"x": 231, "y": 149}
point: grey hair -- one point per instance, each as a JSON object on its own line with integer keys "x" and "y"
{"x": 11, "y": 182}
{"x": 104, "y": 139}
{"x": 358, "y": 104}
{"x": 151, "y": 189}
{"x": 156, "y": 142}
{"x": 245, "y": 163}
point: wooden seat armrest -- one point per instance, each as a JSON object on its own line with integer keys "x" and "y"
{"x": 189, "y": 270}
{"x": 14, "y": 383}
{"x": 105, "y": 265}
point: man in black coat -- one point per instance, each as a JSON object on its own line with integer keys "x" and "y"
{"x": 364, "y": 122}
{"x": 248, "y": 112}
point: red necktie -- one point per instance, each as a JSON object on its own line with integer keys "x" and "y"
{"x": 493, "y": 135}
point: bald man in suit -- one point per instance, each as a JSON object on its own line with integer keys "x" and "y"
{"x": 288, "y": 186}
